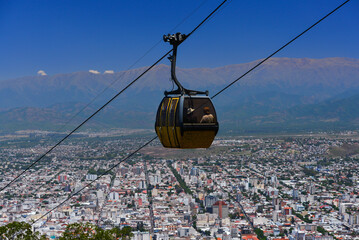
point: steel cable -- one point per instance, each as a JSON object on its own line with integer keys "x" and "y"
{"x": 229, "y": 85}
{"x": 114, "y": 97}
{"x": 108, "y": 102}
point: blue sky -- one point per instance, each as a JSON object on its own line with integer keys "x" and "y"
{"x": 69, "y": 36}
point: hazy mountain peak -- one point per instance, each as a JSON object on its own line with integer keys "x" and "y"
{"x": 273, "y": 93}
{"x": 303, "y": 76}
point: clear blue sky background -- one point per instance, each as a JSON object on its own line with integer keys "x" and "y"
{"x": 67, "y": 36}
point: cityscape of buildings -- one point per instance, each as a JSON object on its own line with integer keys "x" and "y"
{"x": 298, "y": 187}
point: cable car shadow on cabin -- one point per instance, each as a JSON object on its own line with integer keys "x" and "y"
{"x": 185, "y": 118}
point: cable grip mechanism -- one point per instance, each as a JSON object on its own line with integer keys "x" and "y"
{"x": 175, "y": 40}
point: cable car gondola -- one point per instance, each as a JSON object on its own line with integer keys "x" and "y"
{"x": 185, "y": 118}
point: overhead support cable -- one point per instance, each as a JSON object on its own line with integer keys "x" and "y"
{"x": 261, "y": 62}
{"x": 90, "y": 183}
{"x": 95, "y": 113}
{"x": 109, "y": 101}
{"x": 112, "y": 83}
{"x": 281, "y": 48}
{"x": 113, "y": 98}
{"x": 106, "y": 172}
{"x": 130, "y": 67}
{"x": 85, "y": 121}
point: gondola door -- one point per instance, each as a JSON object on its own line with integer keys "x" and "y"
{"x": 172, "y": 112}
{"x": 161, "y": 122}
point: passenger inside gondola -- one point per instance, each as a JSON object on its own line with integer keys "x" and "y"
{"x": 198, "y": 110}
{"x": 207, "y": 117}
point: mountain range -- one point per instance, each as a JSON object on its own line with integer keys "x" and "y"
{"x": 282, "y": 95}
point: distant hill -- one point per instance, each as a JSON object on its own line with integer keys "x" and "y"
{"x": 333, "y": 114}
{"x": 284, "y": 93}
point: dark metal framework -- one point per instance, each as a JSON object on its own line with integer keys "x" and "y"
{"x": 175, "y": 40}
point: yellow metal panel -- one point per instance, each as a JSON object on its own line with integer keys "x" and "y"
{"x": 190, "y": 139}
{"x": 179, "y": 136}
{"x": 162, "y": 130}
{"x": 171, "y": 126}
{"x": 168, "y": 129}
{"x": 197, "y": 139}
{"x": 174, "y": 129}
{"x": 162, "y": 135}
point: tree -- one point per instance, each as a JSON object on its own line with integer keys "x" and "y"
{"x": 19, "y": 230}
{"x": 260, "y": 234}
{"x": 124, "y": 234}
{"x": 81, "y": 231}
{"x": 88, "y": 231}
{"x": 321, "y": 230}
{"x": 234, "y": 215}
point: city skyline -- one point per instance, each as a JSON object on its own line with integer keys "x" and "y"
{"x": 293, "y": 188}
